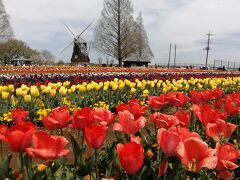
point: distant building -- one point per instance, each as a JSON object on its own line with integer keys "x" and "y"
{"x": 20, "y": 62}
{"x": 133, "y": 61}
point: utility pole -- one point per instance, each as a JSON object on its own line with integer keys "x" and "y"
{"x": 175, "y": 55}
{"x": 169, "y": 57}
{"x": 208, "y": 47}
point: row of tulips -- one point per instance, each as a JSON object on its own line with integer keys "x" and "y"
{"x": 39, "y": 100}
{"x": 79, "y": 69}
{"x": 102, "y": 75}
{"x": 173, "y": 136}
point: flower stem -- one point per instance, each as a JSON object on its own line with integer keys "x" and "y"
{"x": 96, "y": 164}
{"x": 82, "y": 148}
{"x": 1, "y": 144}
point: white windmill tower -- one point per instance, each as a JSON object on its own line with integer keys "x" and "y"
{"x": 81, "y": 48}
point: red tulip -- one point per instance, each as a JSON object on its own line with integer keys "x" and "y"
{"x": 128, "y": 124}
{"x": 133, "y": 107}
{"x": 220, "y": 130}
{"x": 59, "y": 118}
{"x": 3, "y": 132}
{"x": 218, "y": 93}
{"x": 19, "y": 115}
{"x": 19, "y": 136}
{"x": 168, "y": 141}
{"x": 206, "y": 114}
{"x": 122, "y": 107}
{"x": 136, "y": 109}
{"x": 196, "y": 97}
{"x": 207, "y": 95}
{"x": 164, "y": 120}
{"x": 103, "y": 116}
{"x": 178, "y": 99}
{"x": 47, "y": 147}
{"x": 231, "y": 108}
{"x": 156, "y": 102}
{"x": 82, "y": 118}
{"x": 95, "y": 135}
{"x": 183, "y": 133}
{"x": 227, "y": 156}
{"x": 183, "y": 117}
{"x": 163, "y": 168}
{"x": 195, "y": 154}
{"x": 131, "y": 156}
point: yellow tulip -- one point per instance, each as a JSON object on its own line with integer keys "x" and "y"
{"x": 53, "y": 92}
{"x": 133, "y": 90}
{"x": 11, "y": 88}
{"x": 5, "y": 95}
{"x": 27, "y": 98}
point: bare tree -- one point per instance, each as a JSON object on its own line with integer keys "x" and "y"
{"x": 100, "y": 60}
{"x": 6, "y": 32}
{"x": 115, "y": 30}
{"x": 143, "y": 50}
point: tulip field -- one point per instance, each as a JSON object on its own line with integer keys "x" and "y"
{"x": 84, "y": 123}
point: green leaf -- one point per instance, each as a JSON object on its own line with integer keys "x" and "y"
{"x": 145, "y": 172}
{"x": 4, "y": 165}
{"x": 76, "y": 150}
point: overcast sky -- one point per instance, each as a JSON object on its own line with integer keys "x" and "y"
{"x": 181, "y": 22}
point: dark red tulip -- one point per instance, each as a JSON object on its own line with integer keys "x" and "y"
{"x": 103, "y": 116}
{"x": 95, "y": 135}
{"x": 131, "y": 156}
{"x": 19, "y": 115}
{"x": 195, "y": 154}
{"x": 128, "y": 124}
{"x": 82, "y": 118}
{"x": 47, "y": 147}
{"x": 59, "y": 118}
{"x": 19, "y": 136}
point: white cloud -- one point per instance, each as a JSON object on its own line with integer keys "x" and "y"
{"x": 184, "y": 22}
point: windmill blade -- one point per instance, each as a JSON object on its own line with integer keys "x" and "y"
{"x": 65, "y": 47}
{"x": 85, "y": 28}
{"x": 69, "y": 30}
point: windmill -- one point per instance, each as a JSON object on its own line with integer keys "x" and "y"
{"x": 80, "y": 47}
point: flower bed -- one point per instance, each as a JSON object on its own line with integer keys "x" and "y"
{"x": 172, "y": 136}
{"x": 39, "y": 100}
